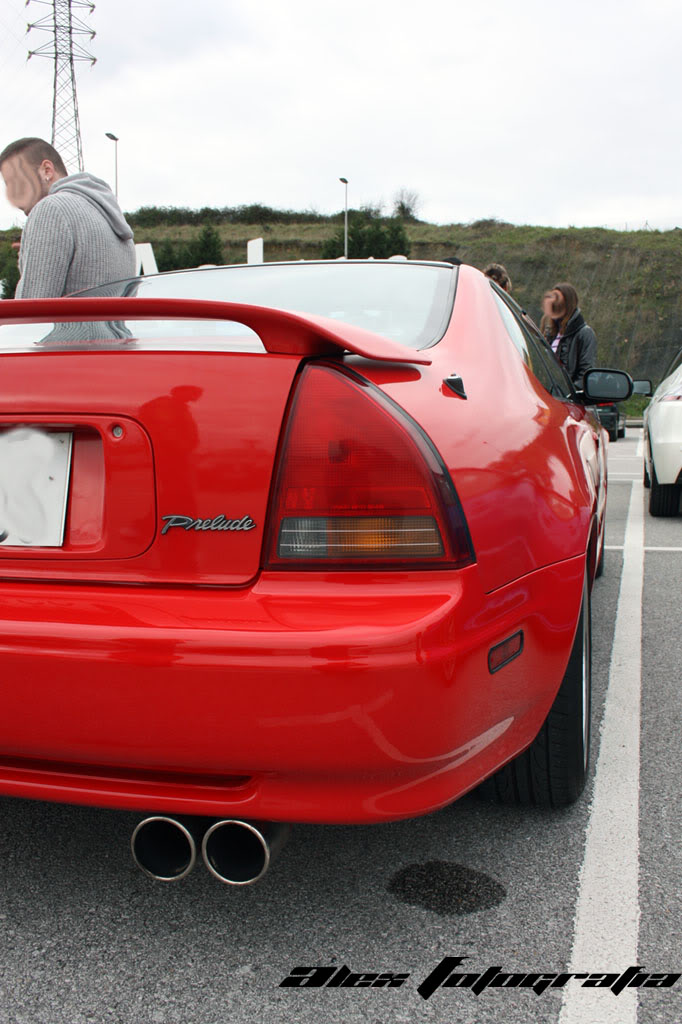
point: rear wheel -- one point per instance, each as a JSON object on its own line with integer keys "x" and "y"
{"x": 664, "y": 499}
{"x": 613, "y": 434}
{"x": 552, "y": 772}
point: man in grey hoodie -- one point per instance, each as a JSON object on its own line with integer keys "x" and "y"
{"x": 75, "y": 236}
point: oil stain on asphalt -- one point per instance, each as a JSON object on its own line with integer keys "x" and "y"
{"x": 446, "y": 888}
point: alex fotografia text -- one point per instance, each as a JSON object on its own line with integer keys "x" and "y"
{"x": 445, "y": 975}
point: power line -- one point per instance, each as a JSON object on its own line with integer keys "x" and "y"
{"x": 64, "y": 49}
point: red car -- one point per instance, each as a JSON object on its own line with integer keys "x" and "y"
{"x": 305, "y": 542}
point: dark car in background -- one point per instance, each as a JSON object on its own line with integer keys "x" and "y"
{"x": 612, "y": 418}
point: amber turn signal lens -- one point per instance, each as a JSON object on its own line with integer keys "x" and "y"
{"x": 359, "y": 537}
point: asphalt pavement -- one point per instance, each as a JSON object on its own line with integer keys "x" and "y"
{"x": 595, "y": 889}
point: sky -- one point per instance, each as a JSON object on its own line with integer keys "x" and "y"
{"x": 531, "y": 112}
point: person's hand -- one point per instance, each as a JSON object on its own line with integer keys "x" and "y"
{"x": 547, "y": 303}
{"x": 553, "y": 304}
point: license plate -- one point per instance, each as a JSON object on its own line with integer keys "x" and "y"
{"x": 34, "y": 487}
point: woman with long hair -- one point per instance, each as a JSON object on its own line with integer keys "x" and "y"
{"x": 571, "y": 339}
{"x": 498, "y": 273}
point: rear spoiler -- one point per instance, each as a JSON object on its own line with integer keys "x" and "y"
{"x": 281, "y": 331}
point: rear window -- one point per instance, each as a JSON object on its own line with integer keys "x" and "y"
{"x": 409, "y": 303}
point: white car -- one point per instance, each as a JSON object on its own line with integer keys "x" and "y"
{"x": 663, "y": 443}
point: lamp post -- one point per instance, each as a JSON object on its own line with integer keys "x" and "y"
{"x": 344, "y": 182}
{"x": 114, "y": 139}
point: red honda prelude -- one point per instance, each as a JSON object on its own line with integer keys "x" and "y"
{"x": 306, "y": 542}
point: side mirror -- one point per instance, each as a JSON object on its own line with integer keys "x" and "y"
{"x": 607, "y": 385}
{"x": 642, "y": 387}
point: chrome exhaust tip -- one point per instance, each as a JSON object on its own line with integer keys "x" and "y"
{"x": 163, "y": 848}
{"x": 240, "y": 852}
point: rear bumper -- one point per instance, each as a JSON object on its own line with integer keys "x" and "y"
{"x": 352, "y": 697}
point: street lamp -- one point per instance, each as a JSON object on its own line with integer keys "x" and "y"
{"x": 114, "y": 139}
{"x": 344, "y": 182}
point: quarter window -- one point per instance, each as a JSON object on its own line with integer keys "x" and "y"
{"x": 561, "y": 382}
{"x": 532, "y": 347}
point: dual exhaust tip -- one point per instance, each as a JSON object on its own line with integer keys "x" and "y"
{"x": 235, "y": 852}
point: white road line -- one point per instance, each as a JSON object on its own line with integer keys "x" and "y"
{"x": 640, "y": 445}
{"x": 648, "y": 547}
{"x": 607, "y": 912}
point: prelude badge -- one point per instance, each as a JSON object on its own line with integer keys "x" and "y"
{"x": 217, "y": 523}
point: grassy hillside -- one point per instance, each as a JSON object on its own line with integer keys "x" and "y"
{"x": 628, "y": 282}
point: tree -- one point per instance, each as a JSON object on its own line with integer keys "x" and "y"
{"x": 406, "y": 203}
{"x": 166, "y": 258}
{"x": 208, "y": 248}
{"x": 369, "y": 235}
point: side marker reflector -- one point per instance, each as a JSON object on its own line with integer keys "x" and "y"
{"x": 501, "y": 654}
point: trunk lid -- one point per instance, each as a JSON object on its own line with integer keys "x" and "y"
{"x": 171, "y": 461}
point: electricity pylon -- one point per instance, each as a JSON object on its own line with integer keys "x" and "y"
{"x": 64, "y": 50}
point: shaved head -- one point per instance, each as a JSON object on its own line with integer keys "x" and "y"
{"x": 35, "y": 151}
{"x": 29, "y": 168}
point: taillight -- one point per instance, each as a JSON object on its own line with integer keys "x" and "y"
{"x": 360, "y": 484}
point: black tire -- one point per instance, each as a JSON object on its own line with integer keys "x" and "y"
{"x": 552, "y": 772}
{"x": 621, "y": 432}
{"x": 664, "y": 499}
{"x": 613, "y": 435}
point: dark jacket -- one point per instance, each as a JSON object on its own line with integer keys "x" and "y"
{"x": 577, "y": 350}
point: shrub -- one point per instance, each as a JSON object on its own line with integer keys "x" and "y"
{"x": 9, "y": 269}
{"x": 369, "y": 235}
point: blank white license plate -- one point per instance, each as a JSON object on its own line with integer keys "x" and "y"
{"x": 34, "y": 487}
